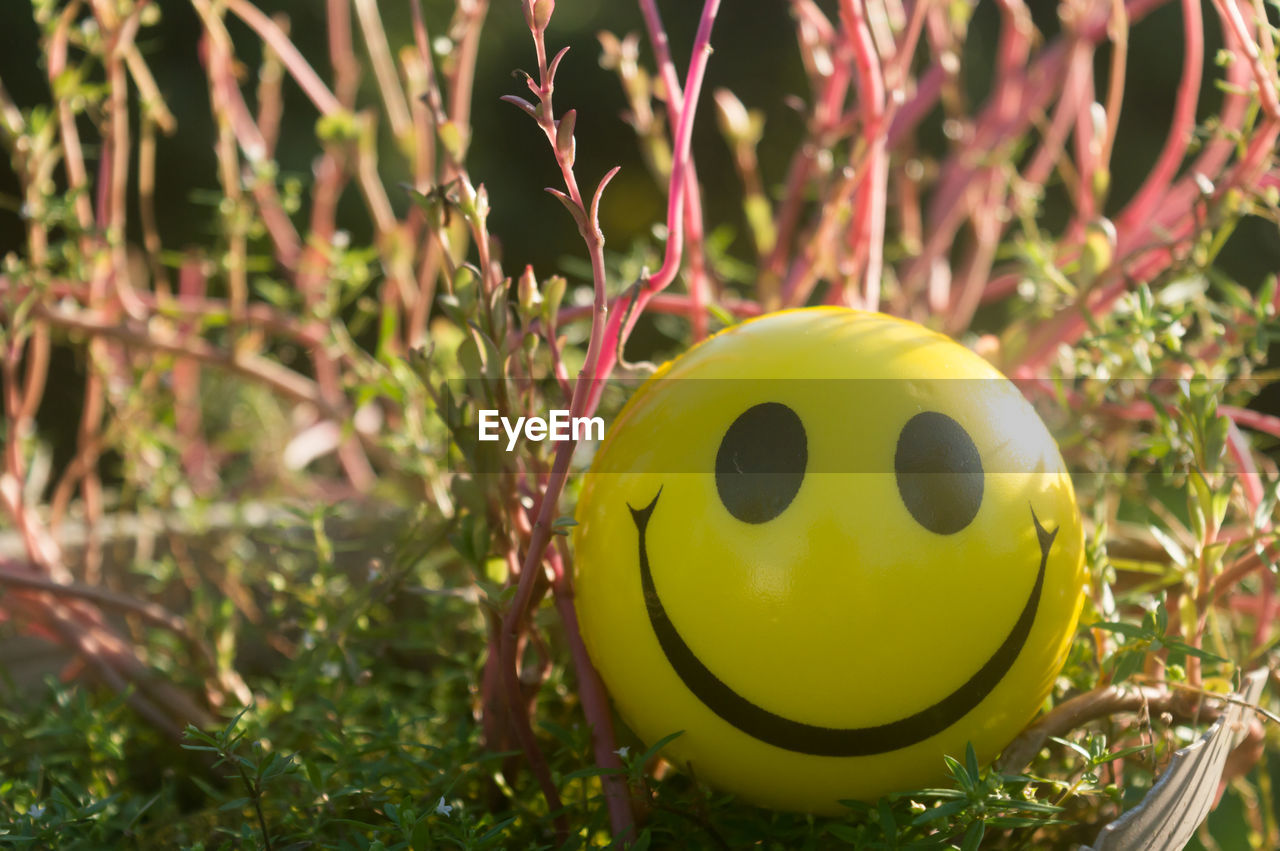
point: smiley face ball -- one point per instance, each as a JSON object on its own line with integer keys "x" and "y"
{"x": 827, "y": 547}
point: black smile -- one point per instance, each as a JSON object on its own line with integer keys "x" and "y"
{"x": 832, "y": 741}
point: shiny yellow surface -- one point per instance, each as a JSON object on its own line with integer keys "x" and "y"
{"x": 842, "y": 611}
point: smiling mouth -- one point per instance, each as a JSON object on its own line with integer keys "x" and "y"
{"x": 798, "y": 736}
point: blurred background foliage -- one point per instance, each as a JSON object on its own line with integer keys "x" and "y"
{"x": 755, "y": 57}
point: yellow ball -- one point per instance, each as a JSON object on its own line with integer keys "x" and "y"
{"x": 827, "y": 547}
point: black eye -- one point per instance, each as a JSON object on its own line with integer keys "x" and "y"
{"x": 939, "y": 472}
{"x": 761, "y": 462}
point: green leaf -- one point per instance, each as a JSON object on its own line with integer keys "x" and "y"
{"x": 657, "y": 746}
{"x": 1170, "y": 546}
{"x": 1075, "y": 747}
{"x": 888, "y": 824}
{"x": 971, "y": 761}
{"x": 495, "y": 831}
{"x": 234, "y": 804}
{"x": 1027, "y": 806}
{"x": 960, "y": 773}
{"x": 723, "y": 316}
{"x": 1022, "y": 821}
{"x": 1128, "y": 630}
{"x": 972, "y": 837}
{"x": 845, "y": 834}
{"x": 1126, "y": 665}
{"x": 593, "y": 771}
{"x": 1122, "y": 753}
{"x": 1194, "y": 651}
{"x": 942, "y": 811}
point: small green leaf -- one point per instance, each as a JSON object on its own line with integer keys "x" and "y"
{"x": 1128, "y": 630}
{"x": 973, "y": 837}
{"x": 495, "y": 831}
{"x": 942, "y": 811}
{"x": 593, "y": 771}
{"x": 657, "y": 746}
{"x": 845, "y": 834}
{"x": 888, "y": 823}
{"x": 1127, "y": 664}
{"x": 234, "y": 804}
{"x": 1075, "y": 747}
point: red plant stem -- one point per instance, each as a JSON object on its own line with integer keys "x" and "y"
{"x": 1174, "y": 223}
{"x": 252, "y": 141}
{"x": 427, "y": 112}
{"x": 1069, "y": 106}
{"x": 1211, "y": 160}
{"x": 673, "y": 304}
{"x": 1142, "y": 410}
{"x": 868, "y": 236}
{"x": 1181, "y": 125}
{"x": 120, "y": 41}
{"x": 15, "y": 468}
{"x": 597, "y": 363}
{"x": 73, "y": 155}
{"x": 342, "y": 54}
{"x": 1251, "y": 484}
{"x": 1016, "y": 99}
{"x": 1238, "y": 570}
{"x": 314, "y": 262}
{"x": 288, "y": 383}
{"x": 270, "y": 95}
{"x": 513, "y": 621}
{"x": 1037, "y": 84}
{"x": 258, "y": 314}
{"x": 676, "y": 304}
{"x": 1119, "y": 32}
{"x": 513, "y": 625}
{"x": 824, "y": 130}
{"x": 808, "y": 267}
{"x": 1229, "y": 11}
{"x": 681, "y": 159}
{"x": 788, "y": 219}
{"x": 17, "y": 575}
{"x": 1088, "y": 142}
{"x": 900, "y": 68}
{"x": 1100, "y": 702}
{"x": 186, "y": 386}
{"x": 37, "y": 374}
{"x": 694, "y": 228}
{"x": 906, "y": 118}
{"x": 83, "y": 469}
{"x": 1249, "y": 480}
{"x": 1255, "y": 607}
{"x": 466, "y": 53}
{"x": 298, "y": 67}
{"x": 384, "y": 68}
{"x": 987, "y": 230}
{"x": 987, "y": 225}
{"x": 1252, "y": 419}
{"x": 595, "y": 706}
{"x": 89, "y": 648}
{"x": 630, "y": 307}
{"x": 1070, "y": 325}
